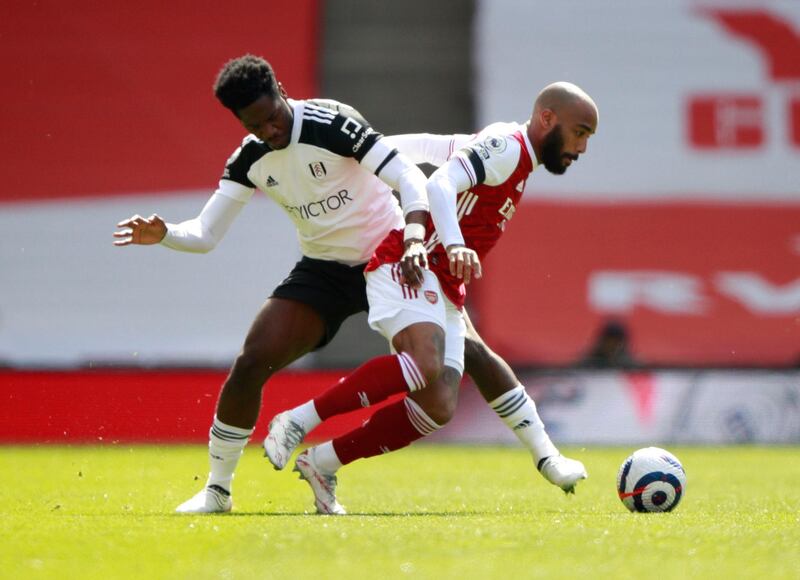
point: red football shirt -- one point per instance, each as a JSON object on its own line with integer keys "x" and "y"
{"x": 498, "y": 161}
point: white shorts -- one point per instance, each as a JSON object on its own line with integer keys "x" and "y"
{"x": 394, "y": 306}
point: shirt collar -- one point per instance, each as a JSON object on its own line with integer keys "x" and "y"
{"x": 297, "y": 122}
{"x": 529, "y": 146}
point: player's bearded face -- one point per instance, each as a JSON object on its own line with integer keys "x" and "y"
{"x": 554, "y": 158}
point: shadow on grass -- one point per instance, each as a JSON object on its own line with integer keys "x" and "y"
{"x": 351, "y": 515}
{"x": 365, "y": 514}
{"x": 368, "y": 514}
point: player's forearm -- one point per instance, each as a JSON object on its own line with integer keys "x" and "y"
{"x": 399, "y": 173}
{"x": 203, "y": 233}
{"x": 443, "y": 188}
{"x": 416, "y": 226}
{"x": 427, "y": 147}
{"x": 411, "y": 186}
{"x": 188, "y": 236}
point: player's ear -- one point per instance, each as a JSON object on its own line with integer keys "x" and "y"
{"x": 282, "y": 91}
{"x": 548, "y": 119}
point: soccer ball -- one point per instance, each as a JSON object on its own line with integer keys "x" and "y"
{"x": 651, "y": 480}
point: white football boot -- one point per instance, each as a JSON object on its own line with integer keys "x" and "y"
{"x": 323, "y": 485}
{"x": 210, "y": 500}
{"x": 563, "y": 472}
{"x": 283, "y": 438}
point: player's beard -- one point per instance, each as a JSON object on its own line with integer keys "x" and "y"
{"x": 552, "y": 151}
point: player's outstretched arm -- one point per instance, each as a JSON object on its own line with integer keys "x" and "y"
{"x": 139, "y": 230}
{"x": 198, "y": 235}
{"x": 399, "y": 173}
{"x": 428, "y": 147}
{"x": 443, "y": 188}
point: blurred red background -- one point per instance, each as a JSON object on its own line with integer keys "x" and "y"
{"x": 96, "y": 96}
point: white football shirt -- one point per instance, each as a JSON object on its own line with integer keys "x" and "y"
{"x": 325, "y": 180}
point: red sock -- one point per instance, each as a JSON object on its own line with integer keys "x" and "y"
{"x": 392, "y": 427}
{"x": 373, "y": 382}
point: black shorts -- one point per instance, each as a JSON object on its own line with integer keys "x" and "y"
{"x": 334, "y": 290}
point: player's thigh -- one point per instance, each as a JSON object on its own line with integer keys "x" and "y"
{"x": 455, "y": 333}
{"x": 283, "y": 331}
{"x": 394, "y": 306}
{"x": 334, "y": 290}
{"x": 471, "y": 333}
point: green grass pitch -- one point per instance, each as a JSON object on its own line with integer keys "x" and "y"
{"x": 425, "y": 512}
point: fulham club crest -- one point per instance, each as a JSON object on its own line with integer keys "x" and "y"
{"x": 318, "y": 169}
{"x": 431, "y": 296}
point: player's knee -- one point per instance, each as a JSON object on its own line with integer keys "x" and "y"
{"x": 430, "y": 367}
{"x": 440, "y": 402}
{"x": 441, "y": 407}
{"x": 251, "y": 369}
{"x": 444, "y": 410}
{"x": 428, "y": 357}
{"x": 424, "y": 343}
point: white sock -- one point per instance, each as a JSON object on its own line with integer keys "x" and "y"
{"x": 225, "y": 446}
{"x": 518, "y": 411}
{"x": 306, "y": 416}
{"x": 326, "y": 459}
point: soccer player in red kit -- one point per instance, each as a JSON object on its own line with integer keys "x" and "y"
{"x": 472, "y": 197}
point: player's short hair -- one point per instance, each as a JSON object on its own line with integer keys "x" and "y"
{"x": 243, "y": 80}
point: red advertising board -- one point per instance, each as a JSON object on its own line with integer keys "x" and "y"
{"x": 105, "y": 98}
{"x": 108, "y": 407}
{"x": 695, "y": 283}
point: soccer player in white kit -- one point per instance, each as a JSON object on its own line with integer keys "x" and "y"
{"x": 472, "y": 198}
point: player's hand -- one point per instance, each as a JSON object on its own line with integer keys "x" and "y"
{"x": 464, "y": 263}
{"x": 413, "y": 262}
{"x": 139, "y": 230}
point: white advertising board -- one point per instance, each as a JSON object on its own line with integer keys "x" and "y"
{"x": 696, "y": 99}
{"x": 645, "y": 408}
{"x": 69, "y": 297}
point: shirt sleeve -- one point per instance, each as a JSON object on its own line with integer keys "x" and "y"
{"x": 443, "y": 188}
{"x": 399, "y": 173}
{"x": 239, "y": 163}
{"x": 427, "y": 147}
{"x": 203, "y": 233}
{"x": 338, "y": 128}
{"x": 490, "y": 159}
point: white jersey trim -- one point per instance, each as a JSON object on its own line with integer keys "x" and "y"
{"x": 297, "y": 124}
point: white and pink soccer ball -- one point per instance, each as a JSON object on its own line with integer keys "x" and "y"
{"x": 651, "y": 480}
